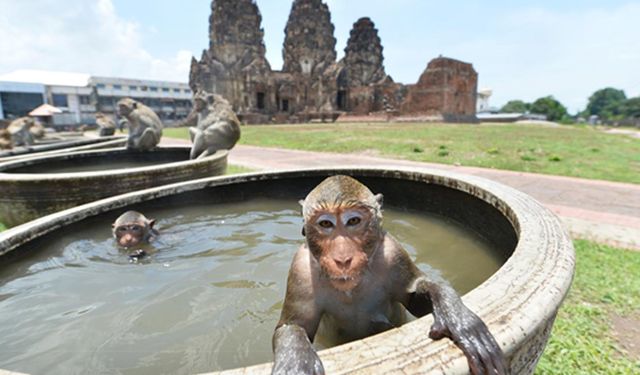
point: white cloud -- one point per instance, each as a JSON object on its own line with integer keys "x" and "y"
{"x": 537, "y": 52}
{"x": 80, "y": 36}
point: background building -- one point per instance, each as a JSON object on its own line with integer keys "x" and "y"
{"x": 312, "y": 84}
{"x": 80, "y": 96}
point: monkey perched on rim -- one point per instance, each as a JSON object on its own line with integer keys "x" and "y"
{"x": 355, "y": 277}
{"x": 133, "y": 229}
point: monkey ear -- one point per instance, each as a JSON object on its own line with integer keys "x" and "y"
{"x": 151, "y": 223}
{"x": 303, "y": 232}
{"x": 134, "y": 105}
{"x": 113, "y": 225}
{"x": 379, "y": 199}
{"x": 301, "y": 202}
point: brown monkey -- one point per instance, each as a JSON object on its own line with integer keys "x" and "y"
{"x": 20, "y": 131}
{"x": 132, "y": 229}
{"x": 145, "y": 127}
{"x": 354, "y": 277}
{"x": 217, "y": 127}
{"x": 37, "y": 130}
{"x": 5, "y": 140}
{"x": 106, "y": 125}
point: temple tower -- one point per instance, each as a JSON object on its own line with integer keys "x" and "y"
{"x": 234, "y": 66}
{"x": 363, "y": 55}
{"x": 309, "y": 45}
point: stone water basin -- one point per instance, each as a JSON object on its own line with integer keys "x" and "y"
{"x": 60, "y": 146}
{"x": 38, "y": 186}
{"x": 208, "y": 296}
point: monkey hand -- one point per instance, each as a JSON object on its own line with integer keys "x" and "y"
{"x": 137, "y": 255}
{"x": 472, "y": 336}
{"x": 294, "y": 353}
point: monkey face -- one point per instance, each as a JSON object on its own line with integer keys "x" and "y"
{"x": 130, "y": 235}
{"x": 126, "y": 106}
{"x": 199, "y": 104}
{"x": 342, "y": 240}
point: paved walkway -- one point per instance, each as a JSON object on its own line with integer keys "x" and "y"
{"x": 606, "y": 212}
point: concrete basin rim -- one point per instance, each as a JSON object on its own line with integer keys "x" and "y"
{"x": 4, "y": 176}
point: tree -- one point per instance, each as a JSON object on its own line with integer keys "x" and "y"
{"x": 606, "y": 103}
{"x": 515, "y": 106}
{"x": 631, "y": 108}
{"x": 549, "y": 106}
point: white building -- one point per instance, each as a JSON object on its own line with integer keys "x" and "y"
{"x": 483, "y": 100}
{"x": 80, "y": 96}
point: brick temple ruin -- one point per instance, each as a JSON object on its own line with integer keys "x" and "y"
{"x": 312, "y": 84}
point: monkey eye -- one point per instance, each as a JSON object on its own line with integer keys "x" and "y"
{"x": 354, "y": 221}
{"x": 325, "y": 224}
{"x": 121, "y": 229}
{"x": 136, "y": 228}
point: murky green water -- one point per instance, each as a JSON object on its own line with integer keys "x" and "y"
{"x": 207, "y": 298}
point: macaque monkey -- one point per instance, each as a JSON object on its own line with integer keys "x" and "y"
{"x": 217, "y": 127}
{"x": 356, "y": 277}
{"x": 106, "y": 125}
{"x": 132, "y": 229}
{"x": 20, "y": 131}
{"x": 145, "y": 127}
{"x": 37, "y": 130}
{"x": 5, "y": 140}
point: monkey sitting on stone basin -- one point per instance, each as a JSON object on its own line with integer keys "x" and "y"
{"x": 354, "y": 277}
{"x": 133, "y": 229}
{"x": 218, "y": 127}
{"x": 145, "y": 127}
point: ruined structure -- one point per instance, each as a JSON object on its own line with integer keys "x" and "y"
{"x": 312, "y": 84}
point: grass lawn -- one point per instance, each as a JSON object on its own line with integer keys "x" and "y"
{"x": 578, "y": 151}
{"x": 606, "y": 284}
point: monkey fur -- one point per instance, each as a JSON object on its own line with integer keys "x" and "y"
{"x": 217, "y": 126}
{"x": 145, "y": 127}
{"x": 355, "y": 278}
{"x": 132, "y": 229}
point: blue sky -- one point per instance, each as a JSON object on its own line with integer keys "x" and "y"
{"x": 521, "y": 49}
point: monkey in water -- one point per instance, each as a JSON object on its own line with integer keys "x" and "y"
{"x": 132, "y": 229}
{"x": 356, "y": 277}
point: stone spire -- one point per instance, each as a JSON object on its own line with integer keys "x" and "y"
{"x": 363, "y": 55}
{"x": 309, "y": 45}
{"x": 235, "y": 32}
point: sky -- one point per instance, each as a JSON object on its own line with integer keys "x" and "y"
{"x": 520, "y": 49}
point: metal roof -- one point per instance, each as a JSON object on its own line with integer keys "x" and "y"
{"x": 47, "y": 78}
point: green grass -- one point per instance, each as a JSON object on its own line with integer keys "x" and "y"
{"x": 578, "y": 151}
{"x": 2, "y": 227}
{"x": 606, "y": 282}
{"x": 236, "y": 169}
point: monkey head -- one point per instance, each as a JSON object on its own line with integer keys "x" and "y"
{"x": 343, "y": 229}
{"x": 132, "y": 229}
{"x": 201, "y": 100}
{"x": 126, "y": 106}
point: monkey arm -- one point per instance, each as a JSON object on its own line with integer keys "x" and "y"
{"x": 298, "y": 323}
{"x": 294, "y": 353}
{"x": 431, "y": 293}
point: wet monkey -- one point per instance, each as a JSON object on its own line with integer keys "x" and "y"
{"x": 354, "y": 276}
{"x": 132, "y": 229}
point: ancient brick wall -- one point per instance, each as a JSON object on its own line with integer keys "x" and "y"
{"x": 312, "y": 84}
{"x": 447, "y": 87}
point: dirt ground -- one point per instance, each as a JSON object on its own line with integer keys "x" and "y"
{"x": 626, "y": 331}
